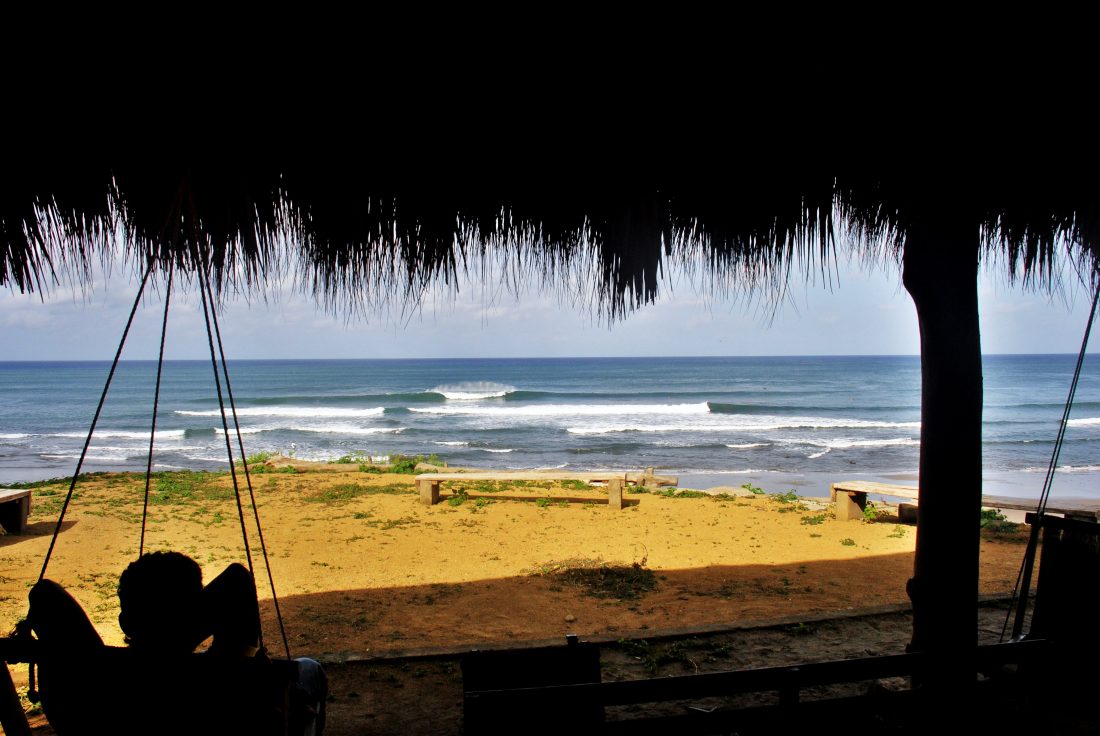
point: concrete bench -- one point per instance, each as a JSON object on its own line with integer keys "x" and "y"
{"x": 15, "y": 507}
{"x": 850, "y": 498}
{"x": 428, "y": 484}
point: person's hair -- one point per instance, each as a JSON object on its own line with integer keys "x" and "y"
{"x": 159, "y": 596}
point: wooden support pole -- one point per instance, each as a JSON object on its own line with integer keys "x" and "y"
{"x": 848, "y": 505}
{"x": 429, "y": 491}
{"x": 615, "y": 493}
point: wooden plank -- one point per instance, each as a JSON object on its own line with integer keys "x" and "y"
{"x": 851, "y": 496}
{"x": 879, "y": 489}
{"x": 539, "y": 475}
{"x": 10, "y": 494}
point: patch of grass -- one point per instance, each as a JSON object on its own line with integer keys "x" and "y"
{"x": 753, "y": 489}
{"x": 813, "y": 520}
{"x": 848, "y": 542}
{"x": 406, "y": 465}
{"x": 186, "y": 486}
{"x": 358, "y": 456}
{"x": 788, "y": 497}
{"x": 899, "y": 532}
{"x": 601, "y": 579}
{"x": 59, "y": 481}
{"x": 994, "y": 522}
{"x": 655, "y": 656}
{"x": 457, "y": 499}
{"x": 542, "y": 503}
{"x": 365, "y": 468}
{"x": 259, "y": 457}
{"x": 575, "y": 485}
{"x": 871, "y": 513}
{"x": 337, "y": 493}
{"x": 676, "y": 493}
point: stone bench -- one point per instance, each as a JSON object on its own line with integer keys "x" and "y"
{"x": 428, "y": 484}
{"x": 850, "y": 499}
{"x": 15, "y": 507}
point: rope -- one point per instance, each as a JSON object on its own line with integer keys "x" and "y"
{"x": 95, "y": 420}
{"x": 1023, "y": 578}
{"x": 248, "y": 480}
{"x": 156, "y": 405}
{"x": 225, "y": 426}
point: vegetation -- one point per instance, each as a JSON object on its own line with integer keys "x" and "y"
{"x": 186, "y": 486}
{"x": 813, "y": 520}
{"x": 871, "y": 513}
{"x": 406, "y": 465}
{"x": 601, "y": 579}
{"x": 994, "y": 522}
{"x": 848, "y": 542}
{"x": 753, "y": 489}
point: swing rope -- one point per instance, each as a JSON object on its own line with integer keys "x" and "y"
{"x": 1023, "y": 578}
{"x": 95, "y": 420}
{"x": 156, "y": 405}
{"x": 225, "y": 424}
{"x": 244, "y": 465}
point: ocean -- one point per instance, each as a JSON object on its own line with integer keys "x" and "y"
{"x": 781, "y": 423}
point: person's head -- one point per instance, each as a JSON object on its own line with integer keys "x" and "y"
{"x": 159, "y": 596}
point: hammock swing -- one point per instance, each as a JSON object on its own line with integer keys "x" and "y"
{"x": 93, "y": 688}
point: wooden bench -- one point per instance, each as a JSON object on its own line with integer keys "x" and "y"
{"x": 15, "y": 507}
{"x": 850, "y": 497}
{"x": 428, "y": 483}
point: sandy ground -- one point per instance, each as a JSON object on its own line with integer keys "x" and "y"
{"x": 364, "y": 570}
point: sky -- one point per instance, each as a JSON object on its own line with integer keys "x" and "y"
{"x": 863, "y": 311}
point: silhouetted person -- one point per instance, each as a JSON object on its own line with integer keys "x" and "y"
{"x": 165, "y": 611}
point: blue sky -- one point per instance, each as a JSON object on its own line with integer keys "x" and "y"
{"x": 864, "y": 311}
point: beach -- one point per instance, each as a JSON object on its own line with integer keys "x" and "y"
{"x": 364, "y": 570}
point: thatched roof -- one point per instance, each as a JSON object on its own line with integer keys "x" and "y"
{"x": 381, "y": 219}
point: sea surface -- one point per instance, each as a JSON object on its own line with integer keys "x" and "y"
{"x": 778, "y": 422}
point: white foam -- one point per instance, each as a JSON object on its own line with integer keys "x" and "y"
{"x": 1086, "y": 422}
{"x": 321, "y": 429}
{"x": 301, "y": 412}
{"x": 749, "y": 445}
{"x": 473, "y": 390}
{"x": 1066, "y": 469}
{"x": 816, "y": 455}
{"x": 569, "y": 410}
{"x": 164, "y": 434}
{"x": 846, "y": 444}
{"x": 14, "y": 436}
{"x": 742, "y": 424}
{"x": 486, "y": 449}
{"x": 89, "y": 457}
{"x": 453, "y": 444}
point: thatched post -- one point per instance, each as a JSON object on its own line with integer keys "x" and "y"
{"x": 940, "y": 272}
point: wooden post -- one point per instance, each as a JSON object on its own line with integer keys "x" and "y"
{"x": 848, "y": 505}
{"x": 429, "y": 491}
{"x": 940, "y": 272}
{"x": 615, "y": 493}
{"x": 649, "y": 479}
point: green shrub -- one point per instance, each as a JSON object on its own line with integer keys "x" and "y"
{"x": 752, "y": 489}
{"x": 407, "y": 465}
{"x": 848, "y": 542}
{"x": 813, "y": 520}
